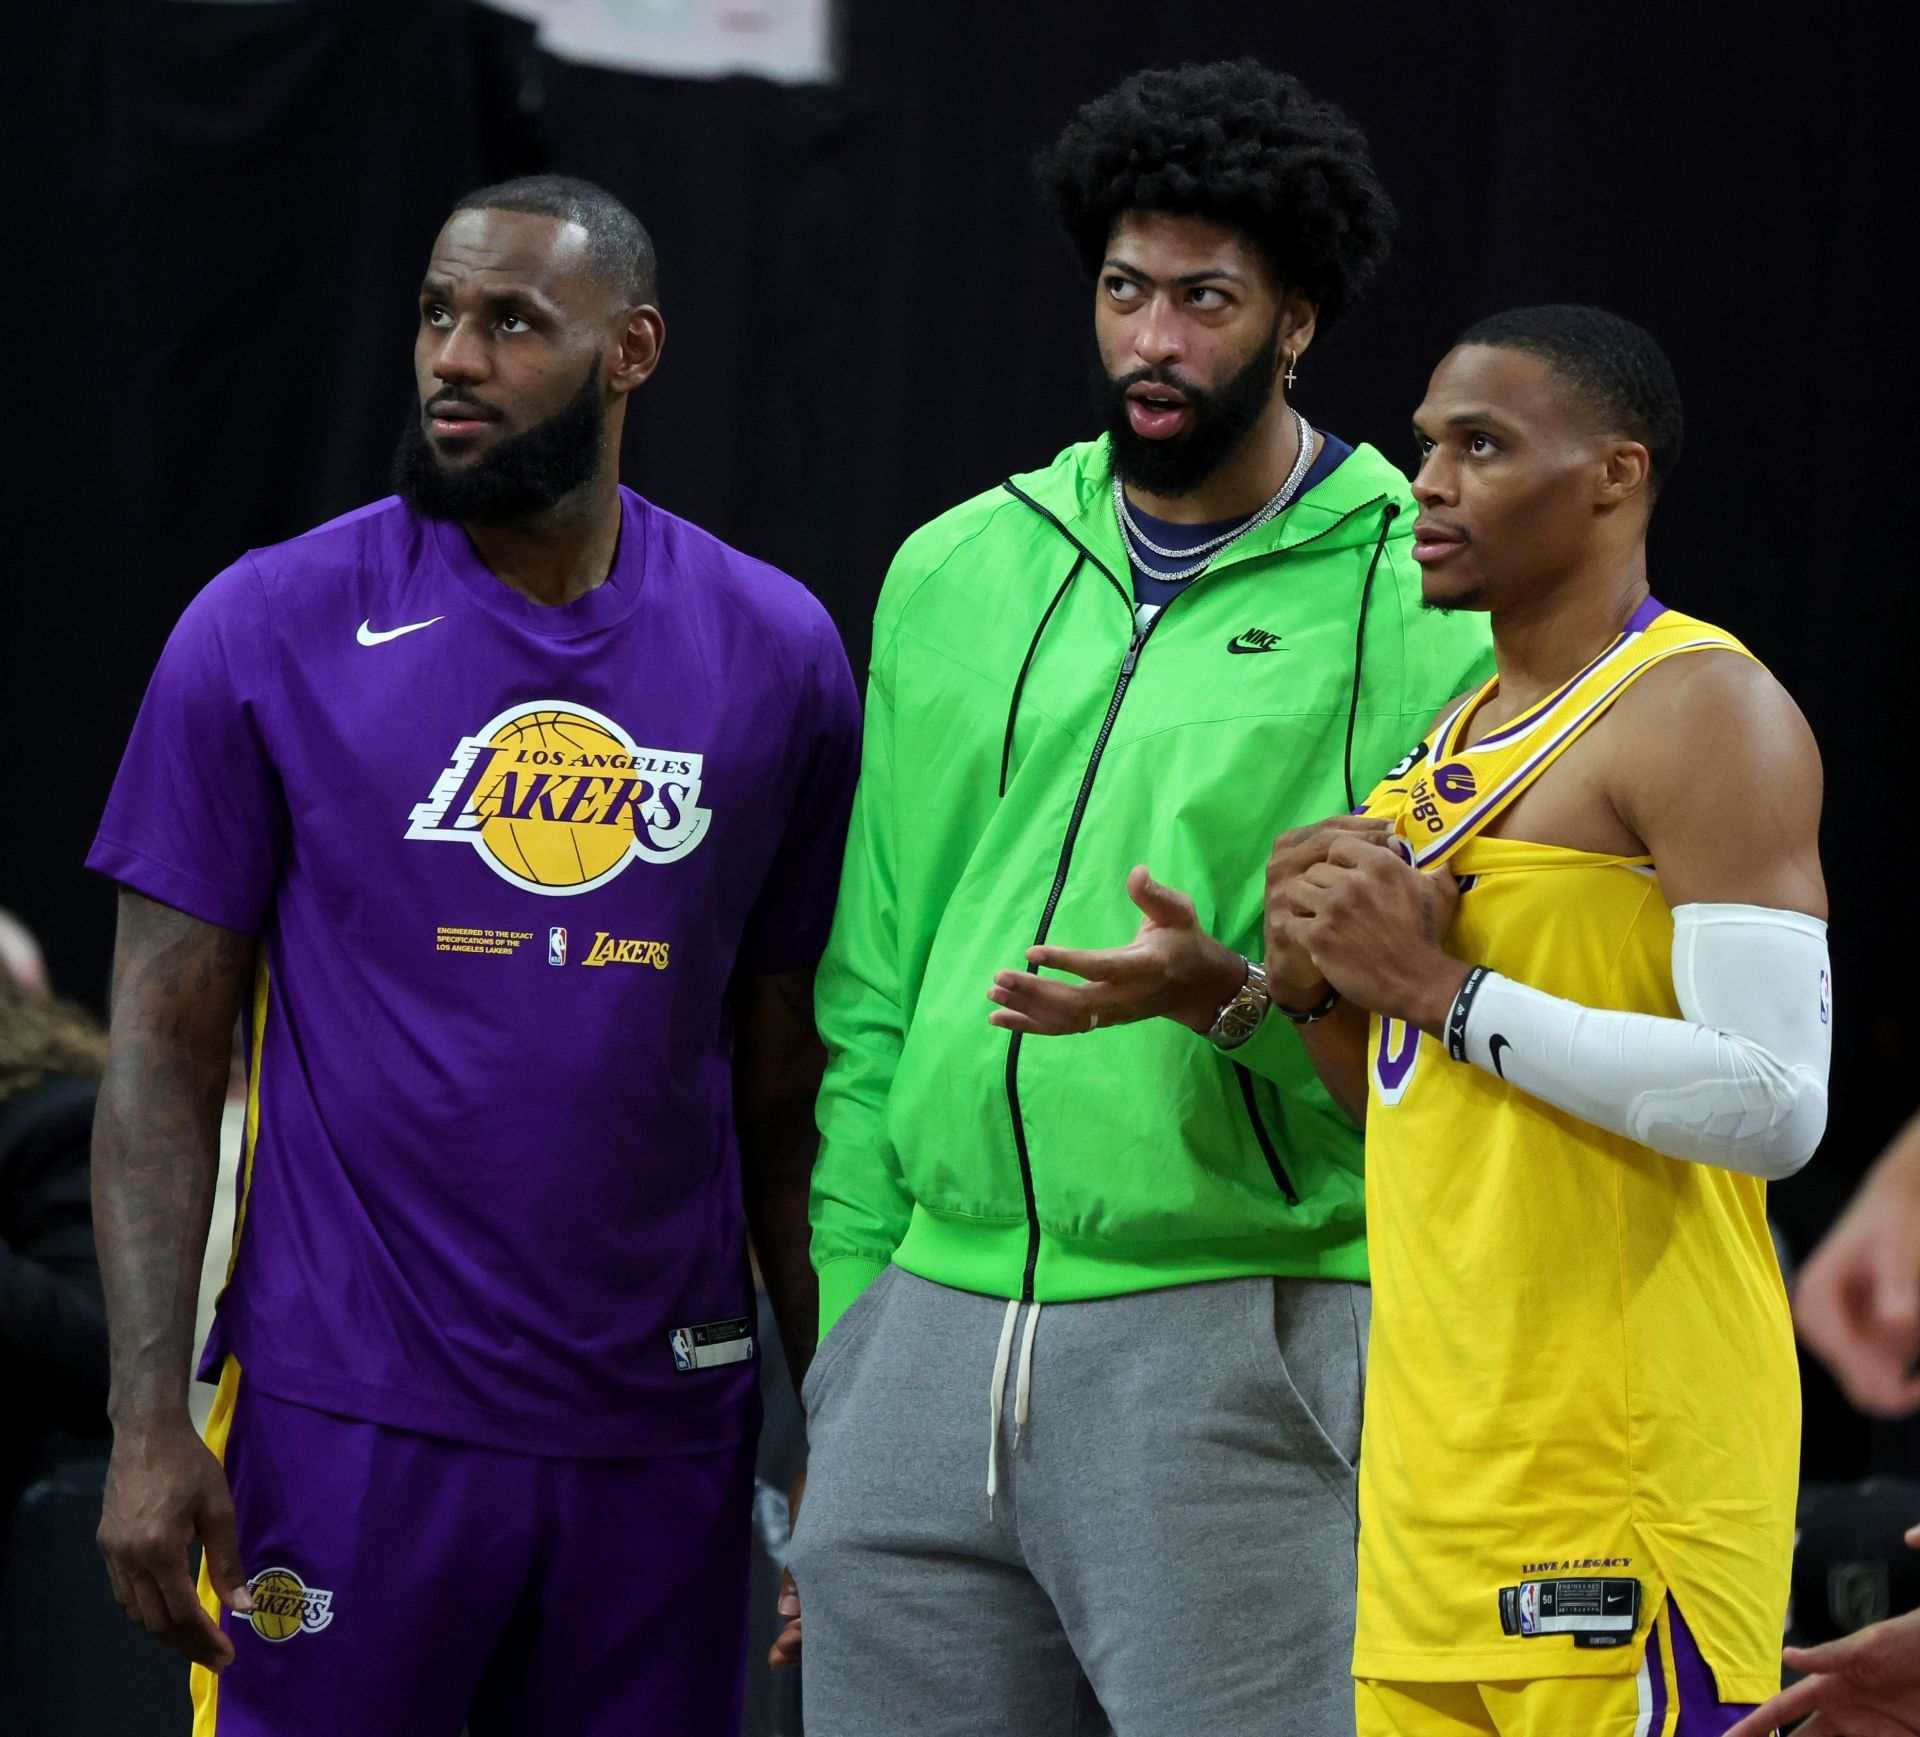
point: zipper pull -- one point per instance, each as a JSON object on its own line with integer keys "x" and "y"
{"x": 1133, "y": 651}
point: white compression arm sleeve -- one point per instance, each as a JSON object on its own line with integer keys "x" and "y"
{"x": 1740, "y": 1082}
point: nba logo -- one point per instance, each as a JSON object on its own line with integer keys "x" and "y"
{"x": 683, "y": 1349}
{"x": 1530, "y": 1607}
{"x": 556, "y": 946}
{"x": 1826, "y": 999}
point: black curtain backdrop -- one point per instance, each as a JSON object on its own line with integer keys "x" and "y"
{"x": 218, "y": 215}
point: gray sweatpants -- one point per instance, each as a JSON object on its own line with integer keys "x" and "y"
{"x": 1170, "y": 1551}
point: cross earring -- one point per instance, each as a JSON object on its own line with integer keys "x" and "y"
{"x": 1291, "y": 377}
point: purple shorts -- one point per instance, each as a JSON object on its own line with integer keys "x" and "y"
{"x": 406, "y": 1586}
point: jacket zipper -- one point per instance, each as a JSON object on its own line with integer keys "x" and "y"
{"x": 1128, "y": 664}
{"x": 1120, "y": 686}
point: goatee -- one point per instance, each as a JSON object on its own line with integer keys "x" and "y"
{"x": 1221, "y": 420}
{"x": 524, "y": 475}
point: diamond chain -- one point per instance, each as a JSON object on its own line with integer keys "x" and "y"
{"x": 1214, "y": 547}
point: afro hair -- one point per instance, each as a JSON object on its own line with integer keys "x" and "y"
{"x": 1610, "y": 362}
{"x": 1242, "y": 145}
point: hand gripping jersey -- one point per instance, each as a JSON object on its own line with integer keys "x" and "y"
{"x": 1582, "y": 1393}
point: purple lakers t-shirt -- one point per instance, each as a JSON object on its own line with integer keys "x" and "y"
{"x": 503, "y": 861}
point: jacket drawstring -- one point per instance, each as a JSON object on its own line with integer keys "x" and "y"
{"x": 1020, "y": 681}
{"x": 1022, "y": 1390}
{"x": 1391, "y": 512}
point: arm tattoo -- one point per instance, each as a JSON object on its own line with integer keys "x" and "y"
{"x": 178, "y": 983}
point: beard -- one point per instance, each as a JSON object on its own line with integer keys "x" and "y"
{"x": 1222, "y": 420}
{"x": 524, "y": 475}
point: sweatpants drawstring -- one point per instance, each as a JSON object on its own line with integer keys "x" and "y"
{"x": 1022, "y": 1390}
{"x": 1000, "y": 1361}
{"x": 1023, "y": 1385}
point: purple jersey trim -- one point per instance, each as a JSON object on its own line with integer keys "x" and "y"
{"x": 1496, "y": 797}
{"x": 1650, "y": 610}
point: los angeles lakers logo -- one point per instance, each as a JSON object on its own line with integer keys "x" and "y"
{"x": 558, "y": 799}
{"x": 284, "y": 1605}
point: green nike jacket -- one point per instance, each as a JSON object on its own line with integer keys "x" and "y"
{"x": 1026, "y": 745}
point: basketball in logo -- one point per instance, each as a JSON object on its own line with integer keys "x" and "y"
{"x": 558, "y": 799}
{"x": 284, "y": 1605}
{"x": 551, "y": 853}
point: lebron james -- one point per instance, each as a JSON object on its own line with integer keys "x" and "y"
{"x": 510, "y": 811}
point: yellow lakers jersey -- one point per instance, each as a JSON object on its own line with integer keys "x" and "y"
{"x": 1582, "y": 1394}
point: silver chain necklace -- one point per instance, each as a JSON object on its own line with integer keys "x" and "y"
{"x": 1213, "y": 547}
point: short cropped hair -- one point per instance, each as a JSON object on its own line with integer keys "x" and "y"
{"x": 1239, "y": 144}
{"x": 619, "y": 250}
{"x": 1612, "y": 363}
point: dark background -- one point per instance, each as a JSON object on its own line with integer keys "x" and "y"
{"x": 217, "y": 216}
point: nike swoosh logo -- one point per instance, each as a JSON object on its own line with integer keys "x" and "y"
{"x": 369, "y": 635}
{"x": 1495, "y": 1045}
{"x": 1234, "y": 645}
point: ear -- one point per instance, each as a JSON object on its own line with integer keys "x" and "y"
{"x": 1298, "y": 318}
{"x": 637, "y": 344}
{"x": 1627, "y": 472}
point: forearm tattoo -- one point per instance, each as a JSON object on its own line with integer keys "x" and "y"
{"x": 178, "y": 984}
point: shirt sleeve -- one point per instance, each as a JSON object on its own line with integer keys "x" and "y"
{"x": 788, "y": 926}
{"x": 197, "y": 818}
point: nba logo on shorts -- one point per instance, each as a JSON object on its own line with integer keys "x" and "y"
{"x": 556, "y": 945}
{"x": 681, "y": 1339}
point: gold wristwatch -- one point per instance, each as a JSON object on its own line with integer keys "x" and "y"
{"x": 1241, "y": 1016}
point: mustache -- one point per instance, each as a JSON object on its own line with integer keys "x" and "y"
{"x": 1171, "y": 378}
{"x": 450, "y": 395}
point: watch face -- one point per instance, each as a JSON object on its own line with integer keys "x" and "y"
{"x": 1241, "y": 1016}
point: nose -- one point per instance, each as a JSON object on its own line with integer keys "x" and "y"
{"x": 461, "y": 357}
{"x": 1156, "y": 335}
{"x": 1436, "y": 484}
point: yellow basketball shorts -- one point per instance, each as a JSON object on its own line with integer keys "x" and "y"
{"x": 1671, "y": 1695}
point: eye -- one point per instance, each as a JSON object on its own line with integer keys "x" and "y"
{"x": 514, "y": 323}
{"x": 1422, "y": 445}
{"x": 1201, "y": 294}
{"x": 1479, "y": 445}
{"x": 435, "y": 315}
{"x": 1123, "y": 289}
